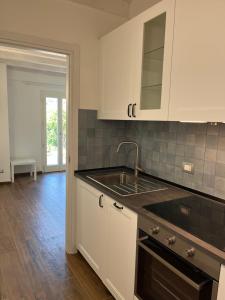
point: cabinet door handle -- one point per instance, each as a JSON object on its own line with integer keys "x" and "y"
{"x": 133, "y": 110}
{"x": 117, "y": 206}
{"x": 100, "y": 201}
{"x": 128, "y": 110}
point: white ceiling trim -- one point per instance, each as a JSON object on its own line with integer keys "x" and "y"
{"x": 117, "y": 7}
{"x": 33, "y": 59}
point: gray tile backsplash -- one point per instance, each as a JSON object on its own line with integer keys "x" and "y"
{"x": 98, "y": 141}
{"x": 164, "y": 147}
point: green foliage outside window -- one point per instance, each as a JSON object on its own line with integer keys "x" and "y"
{"x": 52, "y": 130}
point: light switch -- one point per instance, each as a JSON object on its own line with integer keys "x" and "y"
{"x": 188, "y": 167}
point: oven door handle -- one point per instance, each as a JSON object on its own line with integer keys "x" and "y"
{"x": 196, "y": 286}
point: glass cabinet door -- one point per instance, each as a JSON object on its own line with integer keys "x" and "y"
{"x": 152, "y": 64}
{"x": 155, "y": 60}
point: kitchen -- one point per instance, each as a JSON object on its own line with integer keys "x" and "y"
{"x": 150, "y": 184}
{"x": 146, "y": 164}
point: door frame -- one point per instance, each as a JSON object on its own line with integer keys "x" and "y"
{"x": 73, "y": 97}
{"x": 59, "y": 95}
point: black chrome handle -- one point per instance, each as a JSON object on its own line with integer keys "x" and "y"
{"x": 117, "y": 206}
{"x": 133, "y": 110}
{"x": 128, "y": 110}
{"x": 100, "y": 201}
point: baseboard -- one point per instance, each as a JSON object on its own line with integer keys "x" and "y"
{"x": 27, "y": 173}
{"x": 62, "y": 171}
{"x": 5, "y": 182}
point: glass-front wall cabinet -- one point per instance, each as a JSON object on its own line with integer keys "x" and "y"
{"x": 136, "y": 64}
{"x": 152, "y": 63}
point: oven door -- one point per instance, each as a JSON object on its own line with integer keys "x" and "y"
{"x": 162, "y": 275}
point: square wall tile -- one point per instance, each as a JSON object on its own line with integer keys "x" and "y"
{"x": 164, "y": 146}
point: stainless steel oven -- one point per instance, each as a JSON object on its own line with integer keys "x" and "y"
{"x": 161, "y": 274}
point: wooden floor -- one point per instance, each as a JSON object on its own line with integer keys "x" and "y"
{"x": 33, "y": 264}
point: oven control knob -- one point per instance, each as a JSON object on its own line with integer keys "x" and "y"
{"x": 171, "y": 240}
{"x": 190, "y": 252}
{"x": 155, "y": 230}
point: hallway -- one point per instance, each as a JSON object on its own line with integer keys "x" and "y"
{"x": 33, "y": 264}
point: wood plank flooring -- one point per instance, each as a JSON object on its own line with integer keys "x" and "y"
{"x": 33, "y": 263}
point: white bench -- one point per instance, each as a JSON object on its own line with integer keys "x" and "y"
{"x": 24, "y": 162}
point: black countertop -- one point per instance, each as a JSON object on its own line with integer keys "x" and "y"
{"x": 137, "y": 202}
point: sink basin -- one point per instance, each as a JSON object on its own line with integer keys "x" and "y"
{"x": 116, "y": 178}
{"x": 126, "y": 184}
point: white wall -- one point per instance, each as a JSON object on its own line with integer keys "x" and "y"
{"x": 25, "y": 110}
{"x": 138, "y": 6}
{"x": 68, "y": 22}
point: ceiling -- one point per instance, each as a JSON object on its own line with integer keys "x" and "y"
{"x": 117, "y": 7}
{"x": 33, "y": 59}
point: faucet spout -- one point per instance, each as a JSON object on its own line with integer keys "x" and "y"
{"x": 136, "y": 167}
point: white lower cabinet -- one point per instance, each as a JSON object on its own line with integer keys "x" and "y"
{"x": 121, "y": 250}
{"x": 221, "y": 287}
{"x": 106, "y": 237}
{"x": 91, "y": 226}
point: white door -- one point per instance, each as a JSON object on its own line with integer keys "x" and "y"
{"x": 152, "y": 61}
{"x": 54, "y": 131}
{"x": 121, "y": 251}
{"x": 91, "y": 226}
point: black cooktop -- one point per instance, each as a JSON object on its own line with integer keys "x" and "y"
{"x": 202, "y": 217}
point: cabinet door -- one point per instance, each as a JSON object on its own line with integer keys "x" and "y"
{"x": 152, "y": 65}
{"x": 4, "y": 127}
{"x": 221, "y": 288}
{"x": 121, "y": 251}
{"x": 91, "y": 226}
{"x": 116, "y": 72}
{"x": 198, "y": 70}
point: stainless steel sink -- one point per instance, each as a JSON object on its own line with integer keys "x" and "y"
{"x": 126, "y": 184}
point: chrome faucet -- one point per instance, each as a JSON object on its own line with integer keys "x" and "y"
{"x": 136, "y": 167}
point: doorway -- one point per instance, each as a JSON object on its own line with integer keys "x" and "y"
{"x": 72, "y": 95}
{"x": 54, "y": 131}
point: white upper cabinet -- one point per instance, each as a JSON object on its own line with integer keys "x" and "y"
{"x": 151, "y": 86}
{"x": 116, "y": 72}
{"x": 168, "y": 63}
{"x": 198, "y": 70}
{"x": 4, "y": 127}
{"x": 135, "y": 66}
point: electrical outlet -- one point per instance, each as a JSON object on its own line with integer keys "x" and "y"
{"x": 188, "y": 167}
